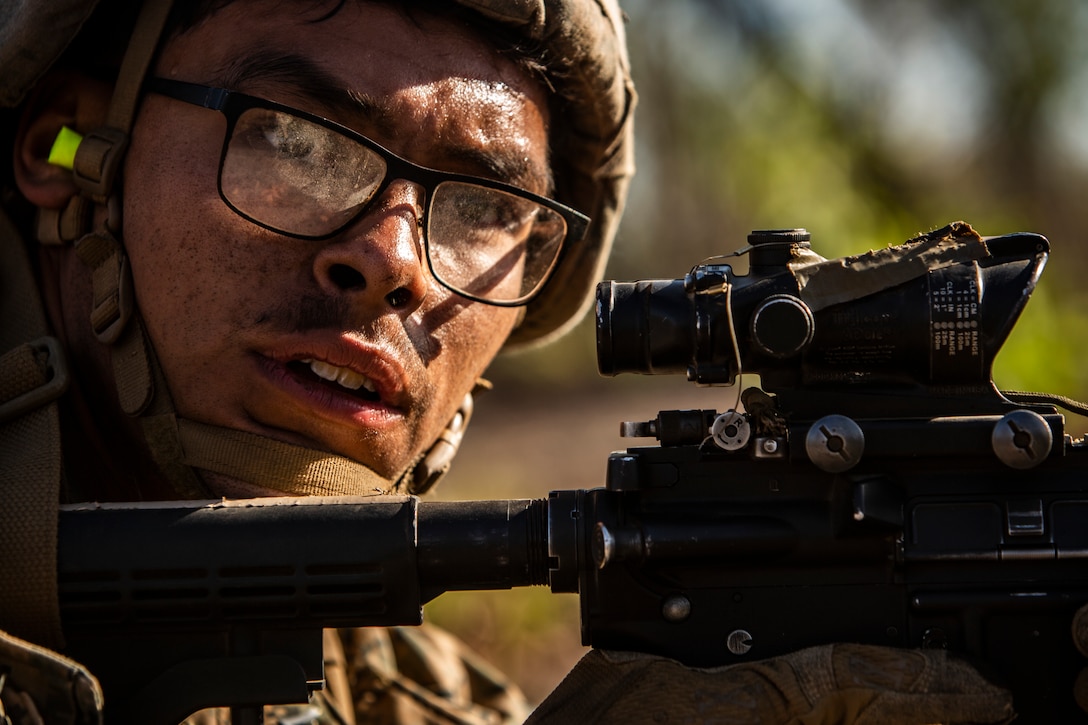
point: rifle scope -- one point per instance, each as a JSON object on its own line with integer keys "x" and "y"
{"x": 935, "y": 310}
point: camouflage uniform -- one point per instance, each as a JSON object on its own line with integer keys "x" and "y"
{"x": 409, "y": 675}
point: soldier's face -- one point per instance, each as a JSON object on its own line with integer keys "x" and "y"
{"x": 249, "y": 325}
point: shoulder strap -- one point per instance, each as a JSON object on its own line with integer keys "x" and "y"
{"x": 30, "y": 451}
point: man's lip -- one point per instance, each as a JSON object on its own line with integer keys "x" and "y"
{"x": 380, "y": 367}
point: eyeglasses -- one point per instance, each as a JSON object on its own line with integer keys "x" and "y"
{"x": 307, "y": 177}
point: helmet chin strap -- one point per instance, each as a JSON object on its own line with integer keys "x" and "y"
{"x": 178, "y": 446}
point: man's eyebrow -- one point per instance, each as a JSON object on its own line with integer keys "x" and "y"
{"x": 516, "y": 170}
{"x": 307, "y": 80}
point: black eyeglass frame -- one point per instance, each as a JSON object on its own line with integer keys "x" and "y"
{"x": 232, "y": 104}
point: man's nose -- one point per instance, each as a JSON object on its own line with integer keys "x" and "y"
{"x": 378, "y": 260}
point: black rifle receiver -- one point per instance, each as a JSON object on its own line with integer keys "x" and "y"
{"x": 878, "y": 489}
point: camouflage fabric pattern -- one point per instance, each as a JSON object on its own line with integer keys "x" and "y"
{"x": 400, "y": 676}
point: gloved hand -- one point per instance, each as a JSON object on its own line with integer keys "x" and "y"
{"x": 38, "y": 686}
{"x": 840, "y": 683}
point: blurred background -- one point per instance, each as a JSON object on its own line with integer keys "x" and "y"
{"x": 864, "y": 122}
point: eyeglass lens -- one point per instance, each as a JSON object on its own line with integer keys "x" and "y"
{"x": 304, "y": 179}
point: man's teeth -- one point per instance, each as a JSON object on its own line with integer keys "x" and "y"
{"x": 342, "y": 376}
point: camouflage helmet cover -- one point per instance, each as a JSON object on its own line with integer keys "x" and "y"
{"x": 585, "y": 57}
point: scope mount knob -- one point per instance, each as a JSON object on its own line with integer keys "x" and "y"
{"x": 1022, "y": 439}
{"x": 835, "y": 443}
{"x": 782, "y": 326}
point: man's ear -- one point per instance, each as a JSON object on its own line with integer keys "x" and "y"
{"x": 62, "y": 98}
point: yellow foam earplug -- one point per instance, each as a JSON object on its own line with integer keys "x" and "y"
{"x": 64, "y": 148}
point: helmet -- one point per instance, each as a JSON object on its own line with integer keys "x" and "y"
{"x": 592, "y": 151}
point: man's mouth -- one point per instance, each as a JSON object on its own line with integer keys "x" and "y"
{"x": 344, "y": 378}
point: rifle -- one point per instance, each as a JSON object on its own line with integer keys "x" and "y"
{"x": 877, "y": 488}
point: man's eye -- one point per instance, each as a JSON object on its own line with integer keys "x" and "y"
{"x": 289, "y": 144}
{"x": 477, "y": 213}
{"x": 496, "y": 212}
{"x": 285, "y": 136}
{"x": 294, "y": 139}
